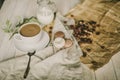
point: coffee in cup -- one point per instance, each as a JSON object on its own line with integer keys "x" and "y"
{"x": 30, "y": 30}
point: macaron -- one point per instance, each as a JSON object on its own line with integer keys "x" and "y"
{"x": 59, "y": 42}
{"x": 59, "y": 34}
{"x": 68, "y": 43}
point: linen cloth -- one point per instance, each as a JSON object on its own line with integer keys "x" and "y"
{"x": 63, "y": 6}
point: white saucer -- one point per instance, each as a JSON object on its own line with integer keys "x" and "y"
{"x": 43, "y": 42}
{"x": 38, "y": 46}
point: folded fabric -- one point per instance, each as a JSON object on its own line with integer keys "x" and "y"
{"x": 48, "y": 68}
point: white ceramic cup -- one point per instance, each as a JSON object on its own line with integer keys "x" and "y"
{"x": 27, "y": 43}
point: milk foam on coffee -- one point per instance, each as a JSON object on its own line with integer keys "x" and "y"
{"x": 30, "y": 30}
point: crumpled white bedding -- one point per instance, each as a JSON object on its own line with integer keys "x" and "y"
{"x": 59, "y": 66}
{"x": 56, "y": 67}
{"x": 43, "y": 65}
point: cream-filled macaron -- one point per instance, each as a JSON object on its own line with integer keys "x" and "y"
{"x": 59, "y": 42}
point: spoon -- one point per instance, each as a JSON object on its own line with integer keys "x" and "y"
{"x": 28, "y": 66}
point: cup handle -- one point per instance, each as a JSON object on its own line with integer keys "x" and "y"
{"x": 17, "y": 37}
